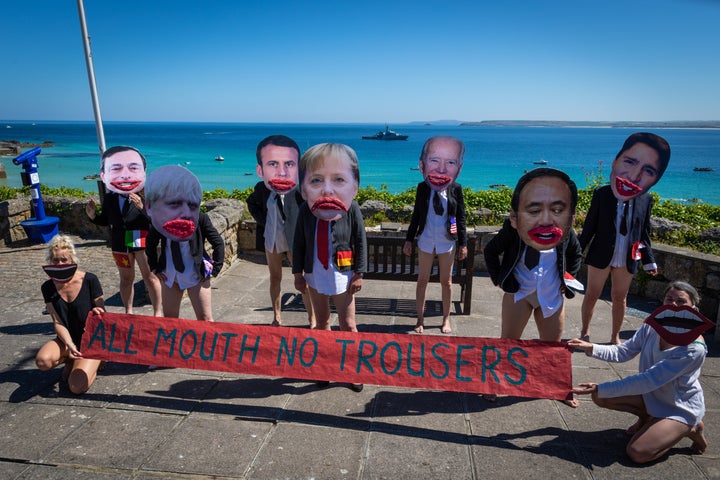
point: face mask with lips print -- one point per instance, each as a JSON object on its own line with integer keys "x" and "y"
{"x": 281, "y": 185}
{"x": 678, "y": 325}
{"x": 62, "y": 272}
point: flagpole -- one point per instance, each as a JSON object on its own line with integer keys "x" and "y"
{"x": 91, "y": 77}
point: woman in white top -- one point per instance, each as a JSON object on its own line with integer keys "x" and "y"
{"x": 665, "y": 395}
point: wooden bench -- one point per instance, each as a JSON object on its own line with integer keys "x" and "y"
{"x": 386, "y": 261}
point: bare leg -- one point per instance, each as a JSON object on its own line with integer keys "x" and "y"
{"x": 425, "y": 262}
{"x": 345, "y": 305}
{"x": 550, "y": 329}
{"x": 171, "y": 298}
{"x": 321, "y": 307}
{"x": 50, "y": 355}
{"x": 274, "y": 261}
{"x": 515, "y": 316}
{"x": 633, "y": 404}
{"x": 445, "y": 264}
{"x": 83, "y": 374}
{"x": 596, "y": 278}
{"x": 127, "y": 280}
{"x": 152, "y": 283}
{"x": 307, "y": 302}
{"x": 621, "y": 280}
{"x": 655, "y": 438}
{"x": 201, "y": 300}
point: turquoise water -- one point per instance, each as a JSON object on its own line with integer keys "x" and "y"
{"x": 495, "y": 155}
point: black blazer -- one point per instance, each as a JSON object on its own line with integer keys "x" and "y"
{"x": 348, "y": 233}
{"x": 204, "y": 231}
{"x": 508, "y": 243}
{"x": 599, "y": 230}
{"x": 110, "y": 215}
{"x": 455, "y": 207}
{"x": 257, "y": 205}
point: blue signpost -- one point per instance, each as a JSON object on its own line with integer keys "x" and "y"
{"x": 40, "y": 228}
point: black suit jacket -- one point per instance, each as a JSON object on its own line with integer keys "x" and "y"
{"x": 257, "y": 205}
{"x": 508, "y": 243}
{"x": 348, "y": 233}
{"x": 205, "y": 231}
{"x": 455, "y": 207}
{"x": 132, "y": 218}
{"x": 599, "y": 230}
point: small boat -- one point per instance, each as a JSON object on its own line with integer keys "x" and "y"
{"x": 386, "y": 134}
{"x": 91, "y": 177}
{"x": 414, "y": 168}
{"x": 219, "y": 159}
{"x": 541, "y": 162}
{"x": 703, "y": 169}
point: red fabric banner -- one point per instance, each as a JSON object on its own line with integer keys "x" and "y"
{"x": 524, "y": 368}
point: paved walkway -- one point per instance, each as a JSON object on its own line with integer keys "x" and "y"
{"x": 137, "y": 423}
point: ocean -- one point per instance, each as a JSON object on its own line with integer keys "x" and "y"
{"x": 495, "y": 155}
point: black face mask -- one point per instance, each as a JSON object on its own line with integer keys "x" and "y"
{"x": 62, "y": 272}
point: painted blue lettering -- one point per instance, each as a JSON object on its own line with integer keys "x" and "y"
{"x": 227, "y": 336}
{"x": 170, "y": 336}
{"x": 254, "y": 349}
{"x": 212, "y": 350}
{"x": 98, "y": 334}
{"x": 365, "y": 359}
{"x": 523, "y": 371}
{"x": 459, "y": 362}
{"x": 420, "y": 372}
{"x": 314, "y": 346}
{"x": 440, "y": 359}
{"x": 344, "y": 343}
{"x": 112, "y": 340}
{"x": 398, "y": 358}
{"x": 193, "y": 336}
{"x": 129, "y": 339}
{"x": 490, "y": 367}
{"x": 290, "y": 354}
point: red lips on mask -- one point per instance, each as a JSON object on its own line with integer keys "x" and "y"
{"x": 625, "y": 188}
{"x": 546, "y": 235}
{"x": 281, "y": 184}
{"x": 127, "y": 186}
{"x": 328, "y": 203}
{"x": 691, "y": 322}
{"x": 438, "y": 180}
{"x": 179, "y": 228}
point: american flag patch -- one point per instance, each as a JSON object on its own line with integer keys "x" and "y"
{"x": 135, "y": 238}
{"x": 453, "y": 226}
{"x": 345, "y": 258}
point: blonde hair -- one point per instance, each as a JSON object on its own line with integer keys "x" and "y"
{"x": 60, "y": 242}
{"x": 315, "y": 156}
{"x": 171, "y": 180}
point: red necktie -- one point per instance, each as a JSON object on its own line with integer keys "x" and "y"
{"x": 322, "y": 242}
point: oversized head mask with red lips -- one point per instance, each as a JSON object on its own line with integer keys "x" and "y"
{"x": 678, "y": 325}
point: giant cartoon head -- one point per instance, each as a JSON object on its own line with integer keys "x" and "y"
{"x": 639, "y": 165}
{"x": 122, "y": 170}
{"x": 542, "y": 208}
{"x": 441, "y": 160}
{"x": 277, "y": 163}
{"x": 329, "y": 178}
{"x": 173, "y": 195}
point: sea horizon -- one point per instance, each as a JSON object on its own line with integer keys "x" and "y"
{"x": 495, "y": 154}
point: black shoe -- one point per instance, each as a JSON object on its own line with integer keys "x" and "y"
{"x": 323, "y": 384}
{"x": 357, "y": 387}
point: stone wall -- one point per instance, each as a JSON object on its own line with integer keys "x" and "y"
{"x": 701, "y": 270}
{"x": 225, "y": 215}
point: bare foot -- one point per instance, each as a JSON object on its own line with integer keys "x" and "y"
{"x": 446, "y": 327}
{"x": 571, "y": 402}
{"x": 697, "y": 435}
{"x": 585, "y": 338}
{"x": 419, "y": 327}
{"x": 276, "y": 323}
{"x": 615, "y": 341}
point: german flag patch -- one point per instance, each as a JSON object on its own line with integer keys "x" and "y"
{"x": 345, "y": 258}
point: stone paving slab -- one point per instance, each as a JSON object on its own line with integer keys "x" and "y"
{"x": 139, "y": 423}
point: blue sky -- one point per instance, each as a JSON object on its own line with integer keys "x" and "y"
{"x": 363, "y": 61}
